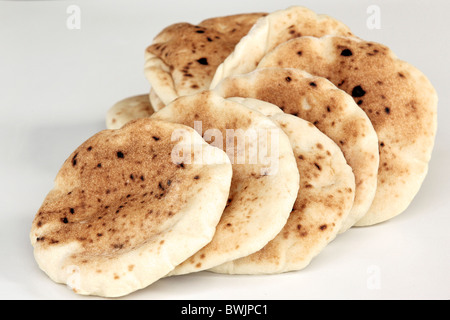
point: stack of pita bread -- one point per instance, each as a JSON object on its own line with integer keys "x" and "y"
{"x": 264, "y": 136}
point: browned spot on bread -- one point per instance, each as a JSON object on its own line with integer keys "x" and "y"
{"x": 74, "y": 159}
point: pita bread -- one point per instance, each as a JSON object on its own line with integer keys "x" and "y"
{"x": 122, "y": 214}
{"x": 128, "y": 109}
{"x": 183, "y": 57}
{"x": 398, "y": 98}
{"x": 324, "y": 201}
{"x": 263, "y": 191}
{"x": 272, "y": 30}
{"x": 334, "y": 112}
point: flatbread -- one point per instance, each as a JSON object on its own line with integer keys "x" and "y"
{"x": 183, "y": 57}
{"x": 398, "y": 98}
{"x": 334, "y": 112}
{"x": 122, "y": 214}
{"x": 324, "y": 201}
{"x": 263, "y": 191}
{"x": 272, "y": 30}
{"x": 128, "y": 109}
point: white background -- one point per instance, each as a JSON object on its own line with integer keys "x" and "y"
{"x": 56, "y": 85}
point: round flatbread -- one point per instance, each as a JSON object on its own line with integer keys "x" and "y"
{"x": 128, "y": 109}
{"x": 398, "y": 98}
{"x": 265, "y": 175}
{"x": 271, "y": 30}
{"x": 334, "y": 112}
{"x": 183, "y": 57}
{"x": 123, "y": 214}
{"x": 324, "y": 201}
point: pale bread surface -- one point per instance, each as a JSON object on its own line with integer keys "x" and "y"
{"x": 183, "y": 57}
{"x": 122, "y": 118}
{"x": 398, "y": 98}
{"x": 324, "y": 201}
{"x": 266, "y": 108}
{"x": 128, "y": 109}
{"x": 334, "y": 112}
{"x": 262, "y": 193}
{"x": 122, "y": 214}
{"x": 155, "y": 101}
{"x": 272, "y": 30}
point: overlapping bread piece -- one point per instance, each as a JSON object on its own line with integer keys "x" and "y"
{"x": 398, "y": 98}
{"x": 183, "y": 57}
{"x": 128, "y": 109}
{"x": 324, "y": 201}
{"x": 123, "y": 214}
{"x": 272, "y": 30}
{"x": 265, "y": 175}
{"x": 334, "y": 112}
{"x": 135, "y": 107}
